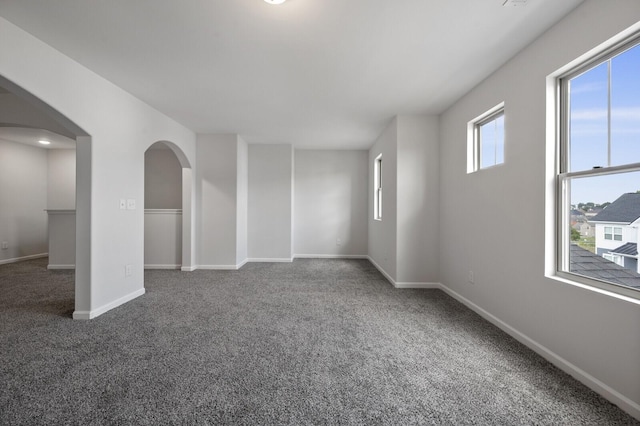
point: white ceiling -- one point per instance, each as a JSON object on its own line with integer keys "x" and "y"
{"x": 313, "y": 73}
{"x": 31, "y": 137}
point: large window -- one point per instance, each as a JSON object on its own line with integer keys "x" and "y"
{"x": 377, "y": 188}
{"x": 486, "y": 140}
{"x": 599, "y": 170}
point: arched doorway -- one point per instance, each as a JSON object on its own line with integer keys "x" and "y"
{"x": 37, "y": 114}
{"x": 168, "y": 208}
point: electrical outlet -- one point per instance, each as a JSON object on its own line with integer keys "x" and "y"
{"x": 338, "y": 242}
{"x": 5, "y": 245}
{"x": 131, "y": 204}
{"x": 128, "y": 270}
{"x": 123, "y": 204}
{"x": 472, "y": 278}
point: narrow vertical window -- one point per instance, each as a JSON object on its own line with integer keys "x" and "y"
{"x": 377, "y": 188}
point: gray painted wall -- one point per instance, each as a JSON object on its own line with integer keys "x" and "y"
{"x": 242, "y": 201}
{"x": 61, "y": 179}
{"x": 217, "y": 194}
{"x": 270, "y": 202}
{"x": 417, "y": 202}
{"x": 162, "y": 180}
{"x": 23, "y": 200}
{"x": 330, "y": 199}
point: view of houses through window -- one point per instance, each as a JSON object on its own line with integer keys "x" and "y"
{"x": 600, "y": 170}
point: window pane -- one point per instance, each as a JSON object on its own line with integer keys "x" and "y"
{"x": 492, "y": 142}
{"x": 588, "y": 119}
{"x": 593, "y": 191}
{"x": 625, "y": 107}
{"x": 605, "y": 250}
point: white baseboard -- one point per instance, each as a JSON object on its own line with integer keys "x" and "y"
{"x": 23, "y": 258}
{"x": 87, "y": 315}
{"x": 241, "y": 264}
{"x": 162, "y": 266}
{"x": 51, "y": 266}
{"x": 403, "y": 284}
{"x": 218, "y": 267}
{"x": 271, "y": 260}
{"x": 188, "y": 268}
{"x": 596, "y": 385}
{"x": 417, "y": 285}
{"x": 330, "y": 256}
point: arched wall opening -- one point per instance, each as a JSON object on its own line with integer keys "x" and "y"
{"x": 168, "y": 223}
{"x": 47, "y": 118}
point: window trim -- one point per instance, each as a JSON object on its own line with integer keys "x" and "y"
{"x": 563, "y": 177}
{"x": 474, "y": 143}
{"x": 377, "y": 188}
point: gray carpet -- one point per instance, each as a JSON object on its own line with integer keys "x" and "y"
{"x": 312, "y": 342}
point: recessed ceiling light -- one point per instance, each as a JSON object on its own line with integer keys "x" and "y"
{"x": 275, "y": 1}
{"x": 43, "y": 142}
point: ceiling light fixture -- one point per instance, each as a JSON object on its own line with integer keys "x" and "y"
{"x": 43, "y": 142}
{"x": 275, "y": 1}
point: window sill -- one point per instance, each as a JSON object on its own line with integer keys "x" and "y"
{"x": 592, "y": 287}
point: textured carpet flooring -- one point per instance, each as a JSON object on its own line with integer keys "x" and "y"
{"x": 312, "y": 342}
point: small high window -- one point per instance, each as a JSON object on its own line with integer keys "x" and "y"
{"x": 486, "y": 140}
{"x": 377, "y": 188}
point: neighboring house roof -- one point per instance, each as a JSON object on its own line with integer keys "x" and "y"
{"x": 625, "y": 209}
{"x": 585, "y": 263}
{"x": 629, "y": 249}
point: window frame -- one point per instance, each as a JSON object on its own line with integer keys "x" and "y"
{"x": 563, "y": 176}
{"x": 474, "y": 139}
{"x": 377, "y": 188}
{"x": 617, "y": 232}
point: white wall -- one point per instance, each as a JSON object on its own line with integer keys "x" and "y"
{"x": 162, "y": 239}
{"x": 405, "y": 243}
{"x": 61, "y": 179}
{"x": 110, "y": 163}
{"x": 493, "y": 221}
{"x": 62, "y": 239}
{"x": 23, "y": 200}
{"x": 270, "y": 202}
{"x": 243, "y": 200}
{"x": 162, "y": 180}
{"x": 331, "y": 199}
{"x": 417, "y": 200}
{"x": 217, "y": 193}
{"x": 382, "y": 233}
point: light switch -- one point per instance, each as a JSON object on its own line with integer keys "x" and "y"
{"x": 123, "y": 204}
